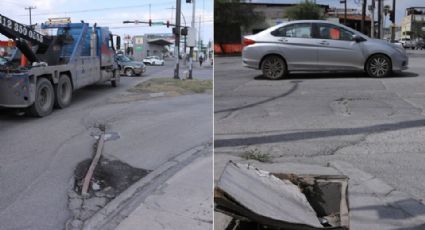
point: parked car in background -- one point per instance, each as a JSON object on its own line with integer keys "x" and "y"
{"x": 129, "y": 67}
{"x": 153, "y": 60}
{"x": 316, "y": 45}
{"x": 407, "y": 43}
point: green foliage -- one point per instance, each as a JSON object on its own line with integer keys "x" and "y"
{"x": 234, "y": 12}
{"x": 417, "y": 31}
{"x": 306, "y": 10}
{"x": 255, "y": 154}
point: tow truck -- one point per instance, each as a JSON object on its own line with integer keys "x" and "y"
{"x": 51, "y": 67}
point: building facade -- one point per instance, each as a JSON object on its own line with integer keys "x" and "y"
{"x": 414, "y": 17}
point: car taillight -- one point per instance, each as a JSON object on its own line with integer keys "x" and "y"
{"x": 247, "y": 42}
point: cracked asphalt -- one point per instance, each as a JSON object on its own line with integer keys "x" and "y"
{"x": 38, "y": 156}
{"x": 378, "y": 125}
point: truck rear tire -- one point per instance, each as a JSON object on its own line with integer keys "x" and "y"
{"x": 44, "y": 98}
{"x": 63, "y": 91}
{"x": 116, "y": 80}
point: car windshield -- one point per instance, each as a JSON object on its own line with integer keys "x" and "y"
{"x": 124, "y": 58}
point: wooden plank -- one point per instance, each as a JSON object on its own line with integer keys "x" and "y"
{"x": 93, "y": 165}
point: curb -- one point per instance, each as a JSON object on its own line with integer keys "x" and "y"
{"x": 119, "y": 208}
{"x": 383, "y": 191}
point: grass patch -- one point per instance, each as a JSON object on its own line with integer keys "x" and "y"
{"x": 173, "y": 87}
{"x": 255, "y": 154}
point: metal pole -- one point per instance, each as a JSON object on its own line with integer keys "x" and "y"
{"x": 29, "y": 9}
{"x": 362, "y": 27}
{"x": 379, "y": 19}
{"x": 394, "y": 24}
{"x": 177, "y": 39}
{"x": 345, "y": 12}
{"x": 372, "y": 19}
{"x": 191, "y": 48}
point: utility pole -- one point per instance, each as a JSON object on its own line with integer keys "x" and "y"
{"x": 177, "y": 39}
{"x": 345, "y": 10}
{"x": 191, "y": 48}
{"x": 372, "y": 19}
{"x": 362, "y": 27}
{"x": 379, "y": 19}
{"x": 392, "y": 18}
{"x": 30, "y": 8}
{"x": 199, "y": 35}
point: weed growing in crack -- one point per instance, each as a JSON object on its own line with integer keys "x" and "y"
{"x": 255, "y": 154}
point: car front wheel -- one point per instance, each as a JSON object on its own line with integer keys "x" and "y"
{"x": 378, "y": 66}
{"x": 273, "y": 67}
{"x": 129, "y": 72}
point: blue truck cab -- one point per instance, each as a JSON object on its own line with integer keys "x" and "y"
{"x": 76, "y": 56}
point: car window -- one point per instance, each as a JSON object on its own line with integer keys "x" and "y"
{"x": 334, "y": 32}
{"x": 300, "y": 30}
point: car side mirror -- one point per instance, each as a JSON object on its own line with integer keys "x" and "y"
{"x": 358, "y": 38}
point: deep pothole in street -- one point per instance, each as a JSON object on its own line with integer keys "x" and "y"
{"x": 110, "y": 178}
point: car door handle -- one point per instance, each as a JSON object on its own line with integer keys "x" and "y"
{"x": 324, "y": 43}
{"x": 283, "y": 40}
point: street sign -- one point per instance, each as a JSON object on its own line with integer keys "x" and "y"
{"x": 191, "y": 37}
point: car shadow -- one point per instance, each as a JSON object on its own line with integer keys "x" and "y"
{"x": 334, "y": 75}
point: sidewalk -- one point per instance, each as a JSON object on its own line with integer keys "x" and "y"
{"x": 374, "y": 205}
{"x": 183, "y": 202}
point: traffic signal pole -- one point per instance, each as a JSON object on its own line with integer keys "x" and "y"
{"x": 177, "y": 39}
{"x": 191, "y": 48}
{"x": 392, "y": 17}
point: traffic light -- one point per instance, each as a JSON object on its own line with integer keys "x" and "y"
{"x": 392, "y": 16}
{"x": 188, "y": 1}
{"x": 150, "y": 22}
{"x": 168, "y": 24}
{"x": 184, "y": 31}
{"x": 175, "y": 30}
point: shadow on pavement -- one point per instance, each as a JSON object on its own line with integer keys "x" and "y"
{"x": 275, "y": 138}
{"x": 334, "y": 75}
{"x": 293, "y": 89}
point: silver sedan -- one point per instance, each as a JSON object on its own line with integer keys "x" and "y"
{"x": 314, "y": 45}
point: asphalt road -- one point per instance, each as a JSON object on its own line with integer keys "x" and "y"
{"x": 38, "y": 155}
{"x": 378, "y": 125}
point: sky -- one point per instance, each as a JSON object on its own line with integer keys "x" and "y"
{"x": 112, "y": 13}
{"x": 401, "y": 5}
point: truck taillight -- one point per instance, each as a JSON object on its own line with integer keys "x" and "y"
{"x": 247, "y": 42}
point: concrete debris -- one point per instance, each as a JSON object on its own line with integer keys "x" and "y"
{"x": 263, "y": 200}
{"x": 95, "y": 186}
{"x": 109, "y": 179}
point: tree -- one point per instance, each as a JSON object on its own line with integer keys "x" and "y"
{"x": 305, "y": 10}
{"x": 234, "y": 12}
{"x": 229, "y": 17}
{"x": 417, "y": 29}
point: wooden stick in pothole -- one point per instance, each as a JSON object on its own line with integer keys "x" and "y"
{"x": 93, "y": 164}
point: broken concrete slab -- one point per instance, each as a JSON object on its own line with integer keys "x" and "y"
{"x": 265, "y": 195}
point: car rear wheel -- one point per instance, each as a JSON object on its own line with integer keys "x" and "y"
{"x": 273, "y": 67}
{"x": 116, "y": 79}
{"x": 378, "y": 66}
{"x": 63, "y": 91}
{"x": 44, "y": 98}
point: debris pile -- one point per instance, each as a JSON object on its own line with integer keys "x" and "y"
{"x": 110, "y": 178}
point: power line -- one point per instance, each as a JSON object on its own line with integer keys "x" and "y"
{"x": 98, "y": 9}
{"x": 13, "y": 3}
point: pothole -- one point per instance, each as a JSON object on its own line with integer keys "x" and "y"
{"x": 110, "y": 178}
